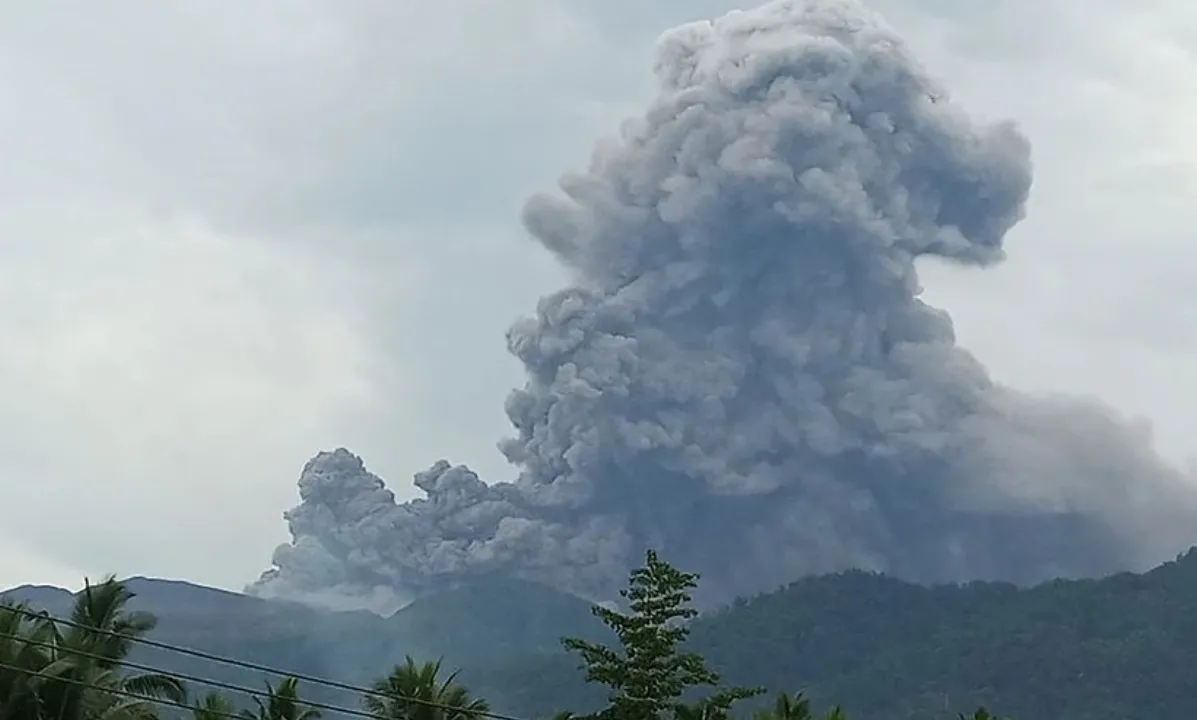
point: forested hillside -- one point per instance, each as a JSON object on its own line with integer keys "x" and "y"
{"x": 1116, "y": 647}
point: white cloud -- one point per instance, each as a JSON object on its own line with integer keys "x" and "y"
{"x": 232, "y": 234}
{"x": 153, "y": 373}
{"x": 22, "y": 564}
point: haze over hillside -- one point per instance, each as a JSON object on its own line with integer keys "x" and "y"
{"x": 742, "y": 373}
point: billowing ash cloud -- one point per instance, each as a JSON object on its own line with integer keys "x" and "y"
{"x": 742, "y": 374}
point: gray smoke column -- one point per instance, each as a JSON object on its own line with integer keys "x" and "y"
{"x": 742, "y": 374}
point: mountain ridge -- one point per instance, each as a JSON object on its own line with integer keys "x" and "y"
{"x": 1111, "y": 647}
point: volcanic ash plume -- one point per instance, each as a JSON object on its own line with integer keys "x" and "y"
{"x": 742, "y": 374}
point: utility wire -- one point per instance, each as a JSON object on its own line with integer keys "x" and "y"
{"x": 181, "y": 676}
{"x": 125, "y": 693}
{"x": 42, "y": 615}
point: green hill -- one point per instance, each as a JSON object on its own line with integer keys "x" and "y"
{"x": 482, "y": 624}
{"x": 1117, "y": 647}
{"x": 492, "y": 622}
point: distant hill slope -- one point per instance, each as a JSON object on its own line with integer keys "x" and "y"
{"x": 474, "y": 625}
{"x": 493, "y": 621}
{"x": 1119, "y": 647}
{"x": 264, "y": 632}
{"x": 53, "y": 600}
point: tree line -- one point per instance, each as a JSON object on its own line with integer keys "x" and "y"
{"x": 78, "y": 669}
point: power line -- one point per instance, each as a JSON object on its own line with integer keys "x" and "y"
{"x": 184, "y": 676}
{"x": 246, "y": 664}
{"x": 124, "y": 693}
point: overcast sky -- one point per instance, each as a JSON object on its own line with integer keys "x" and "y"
{"x": 235, "y": 233}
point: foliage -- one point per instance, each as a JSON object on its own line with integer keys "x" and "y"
{"x": 281, "y": 703}
{"x": 1102, "y": 649}
{"x": 212, "y": 706}
{"x": 75, "y": 672}
{"x": 413, "y": 692}
{"x": 649, "y": 673}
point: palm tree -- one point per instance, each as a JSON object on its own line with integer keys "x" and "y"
{"x": 788, "y": 707}
{"x": 796, "y": 707}
{"x": 699, "y": 711}
{"x": 413, "y": 692}
{"x": 212, "y": 706}
{"x": 282, "y": 703}
{"x": 116, "y": 703}
{"x": 83, "y": 677}
{"x": 22, "y": 656}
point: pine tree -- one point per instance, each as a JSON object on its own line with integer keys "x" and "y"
{"x": 649, "y": 673}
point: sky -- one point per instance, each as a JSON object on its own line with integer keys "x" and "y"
{"x": 234, "y": 234}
